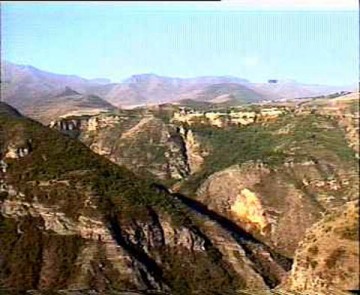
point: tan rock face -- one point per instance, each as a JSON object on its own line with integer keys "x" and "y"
{"x": 18, "y": 149}
{"x": 235, "y": 117}
{"x": 328, "y": 257}
{"x": 248, "y": 209}
{"x": 144, "y": 144}
{"x": 275, "y": 205}
{"x": 231, "y": 193}
{"x": 195, "y": 155}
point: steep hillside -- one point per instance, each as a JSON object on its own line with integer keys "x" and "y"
{"x": 328, "y": 256}
{"x": 246, "y": 194}
{"x": 70, "y": 219}
{"x": 345, "y": 110}
{"x": 140, "y": 141}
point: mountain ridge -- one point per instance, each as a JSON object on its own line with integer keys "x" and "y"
{"x": 20, "y": 85}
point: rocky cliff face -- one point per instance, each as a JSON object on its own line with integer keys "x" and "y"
{"x": 275, "y": 205}
{"x": 134, "y": 252}
{"x": 194, "y": 153}
{"x": 144, "y": 144}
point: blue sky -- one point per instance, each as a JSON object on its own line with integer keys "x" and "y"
{"x": 185, "y": 40}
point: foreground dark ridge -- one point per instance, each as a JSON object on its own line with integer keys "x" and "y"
{"x": 140, "y": 255}
{"x": 154, "y": 292}
{"x": 250, "y": 244}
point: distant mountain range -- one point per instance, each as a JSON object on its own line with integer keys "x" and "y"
{"x": 44, "y": 96}
{"x": 28, "y": 88}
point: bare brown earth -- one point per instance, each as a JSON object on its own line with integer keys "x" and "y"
{"x": 328, "y": 256}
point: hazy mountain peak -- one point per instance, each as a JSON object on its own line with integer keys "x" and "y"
{"x": 143, "y": 77}
{"x": 67, "y": 92}
{"x": 26, "y": 84}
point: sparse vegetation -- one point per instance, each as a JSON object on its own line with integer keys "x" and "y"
{"x": 313, "y": 263}
{"x": 312, "y": 137}
{"x": 350, "y": 232}
{"x": 313, "y": 250}
{"x": 334, "y": 257}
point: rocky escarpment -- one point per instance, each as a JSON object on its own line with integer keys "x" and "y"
{"x": 18, "y": 150}
{"x": 66, "y": 254}
{"x": 240, "y": 117}
{"x": 147, "y": 147}
{"x": 193, "y": 151}
{"x": 100, "y": 254}
{"x": 328, "y": 256}
{"x": 144, "y": 144}
{"x": 276, "y": 205}
{"x": 266, "y": 263}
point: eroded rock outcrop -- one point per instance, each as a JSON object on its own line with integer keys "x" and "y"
{"x": 276, "y": 205}
{"x": 194, "y": 154}
{"x": 144, "y": 144}
{"x": 18, "y": 149}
